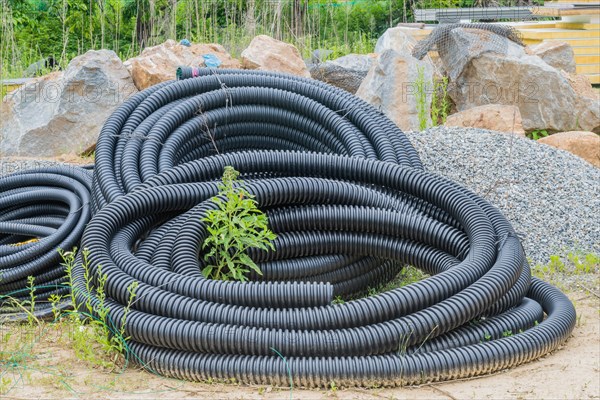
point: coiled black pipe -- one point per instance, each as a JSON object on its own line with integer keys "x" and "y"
{"x": 52, "y": 206}
{"x": 351, "y": 205}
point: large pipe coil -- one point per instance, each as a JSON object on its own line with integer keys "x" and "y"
{"x": 351, "y": 205}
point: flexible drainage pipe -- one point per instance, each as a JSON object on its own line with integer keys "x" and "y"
{"x": 345, "y": 221}
{"x": 52, "y": 206}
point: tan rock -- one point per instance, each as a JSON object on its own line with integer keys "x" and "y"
{"x": 583, "y": 144}
{"x": 390, "y": 86}
{"x": 268, "y": 54}
{"x": 495, "y": 117}
{"x": 555, "y": 53}
{"x": 581, "y": 85}
{"x": 159, "y": 63}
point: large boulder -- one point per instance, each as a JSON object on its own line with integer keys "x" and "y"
{"x": 346, "y": 72}
{"x": 159, "y": 63}
{"x": 391, "y": 86}
{"x": 583, "y": 144}
{"x": 506, "y": 74}
{"x": 398, "y": 39}
{"x": 268, "y": 54}
{"x": 64, "y": 111}
{"x": 495, "y": 117}
{"x": 555, "y": 53}
{"x": 401, "y": 39}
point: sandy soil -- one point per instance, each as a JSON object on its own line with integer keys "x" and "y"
{"x": 49, "y": 368}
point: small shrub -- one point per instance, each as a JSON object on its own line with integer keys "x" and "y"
{"x": 92, "y": 326}
{"x": 31, "y": 287}
{"x": 538, "y": 134}
{"x": 235, "y": 226}
{"x": 440, "y": 107}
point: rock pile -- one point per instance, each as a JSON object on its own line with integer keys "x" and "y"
{"x": 516, "y": 90}
{"x": 546, "y": 100}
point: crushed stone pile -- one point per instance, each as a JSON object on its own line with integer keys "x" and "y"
{"x": 551, "y": 197}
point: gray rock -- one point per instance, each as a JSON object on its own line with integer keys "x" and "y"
{"x": 38, "y": 68}
{"x": 391, "y": 87}
{"x": 506, "y": 74}
{"x": 63, "y": 112}
{"x": 345, "y": 72}
{"x": 395, "y": 39}
{"x": 320, "y": 55}
{"x": 556, "y": 53}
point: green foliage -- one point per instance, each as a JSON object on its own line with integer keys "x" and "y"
{"x": 574, "y": 263}
{"x": 31, "y": 288}
{"x": 573, "y": 270}
{"x": 55, "y": 299}
{"x": 436, "y": 111}
{"x": 333, "y": 387}
{"x": 235, "y": 226}
{"x": 420, "y": 93}
{"x": 440, "y": 106}
{"x": 96, "y": 338}
{"x": 5, "y": 384}
{"x": 33, "y": 30}
{"x": 537, "y": 134}
{"x": 584, "y": 263}
{"x": 408, "y": 275}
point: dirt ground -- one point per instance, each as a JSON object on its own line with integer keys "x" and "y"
{"x": 49, "y": 369}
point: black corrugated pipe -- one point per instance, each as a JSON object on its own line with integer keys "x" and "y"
{"x": 52, "y": 206}
{"x": 351, "y": 205}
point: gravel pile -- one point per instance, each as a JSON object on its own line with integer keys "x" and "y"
{"x": 550, "y": 196}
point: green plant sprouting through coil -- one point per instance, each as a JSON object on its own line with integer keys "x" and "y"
{"x": 233, "y": 227}
{"x": 439, "y": 107}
